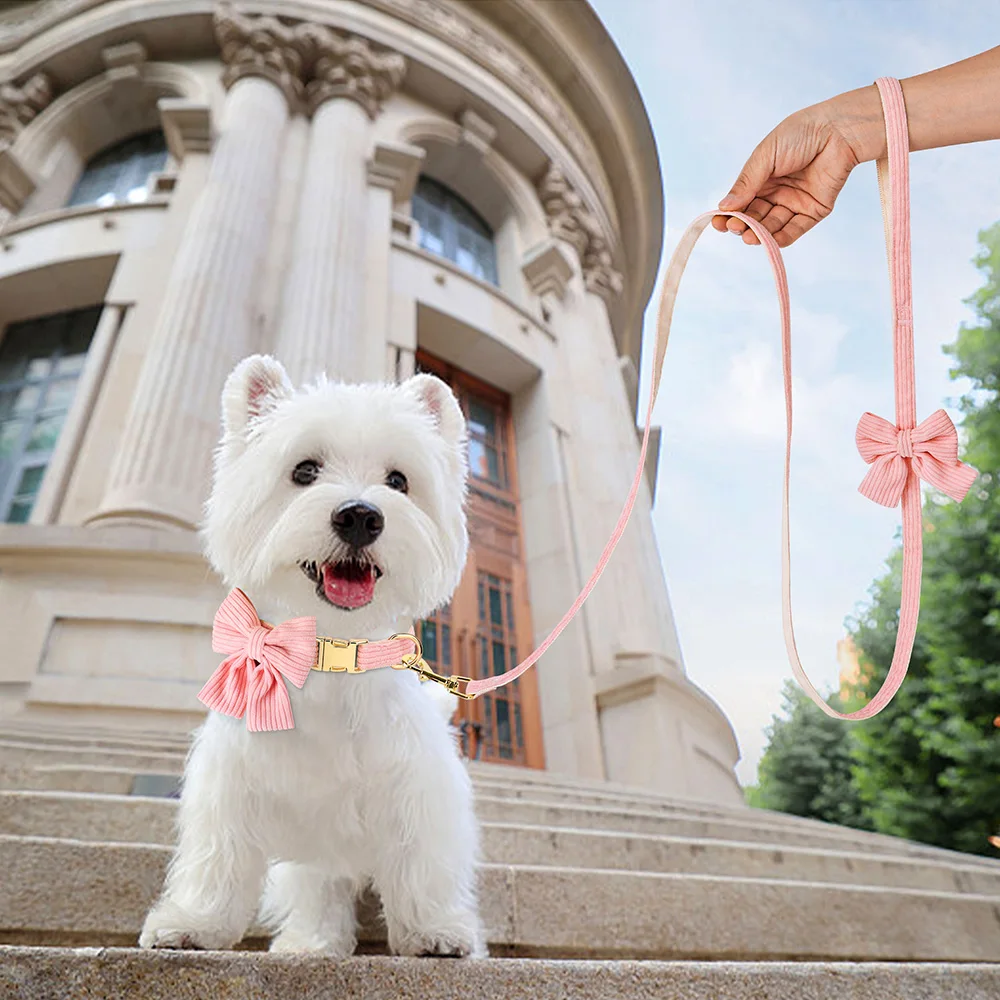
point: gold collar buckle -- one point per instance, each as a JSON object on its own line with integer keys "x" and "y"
{"x": 338, "y": 655}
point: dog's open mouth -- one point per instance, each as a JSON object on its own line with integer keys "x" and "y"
{"x": 347, "y": 584}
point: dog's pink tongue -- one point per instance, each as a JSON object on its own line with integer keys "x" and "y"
{"x": 348, "y": 590}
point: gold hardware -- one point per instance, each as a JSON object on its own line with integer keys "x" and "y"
{"x": 415, "y": 661}
{"x": 338, "y": 655}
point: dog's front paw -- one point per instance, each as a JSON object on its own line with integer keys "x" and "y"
{"x": 167, "y": 926}
{"x": 450, "y": 942}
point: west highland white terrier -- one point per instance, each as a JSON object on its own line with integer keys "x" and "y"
{"x": 345, "y": 502}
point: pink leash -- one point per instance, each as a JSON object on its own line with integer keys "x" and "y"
{"x": 261, "y": 657}
{"x": 900, "y": 454}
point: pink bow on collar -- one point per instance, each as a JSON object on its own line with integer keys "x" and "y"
{"x": 930, "y": 449}
{"x": 250, "y": 680}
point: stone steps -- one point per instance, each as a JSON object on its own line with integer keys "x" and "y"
{"x": 150, "y": 821}
{"x": 104, "y": 890}
{"x": 121, "y": 974}
{"x": 136, "y": 818}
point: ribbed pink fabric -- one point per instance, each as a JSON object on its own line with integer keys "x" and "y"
{"x": 251, "y": 680}
{"x": 900, "y": 454}
{"x": 930, "y": 450}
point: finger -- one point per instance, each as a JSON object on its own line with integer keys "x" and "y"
{"x": 777, "y": 218}
{"x": 752, "y": 177}
{"x": 793, "y": 229}
{"x": 758, "y": 208}
{"x": 719, "y": 222}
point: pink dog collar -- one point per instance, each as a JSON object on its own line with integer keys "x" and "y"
{"x": 250, "y": 680}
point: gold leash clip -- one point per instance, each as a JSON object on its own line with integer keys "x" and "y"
{"x": 415, "y": 661}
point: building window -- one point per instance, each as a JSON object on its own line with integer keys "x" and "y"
{"x": 451, "y": 228}
{"x": 121, "y": 172}
{"x": 40, "y": 365}
{"x": 487, "y": 623}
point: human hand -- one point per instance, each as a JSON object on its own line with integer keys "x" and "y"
{"x": 793, "y": 177}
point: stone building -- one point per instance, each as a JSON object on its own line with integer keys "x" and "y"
{"x": 369, "y": 188}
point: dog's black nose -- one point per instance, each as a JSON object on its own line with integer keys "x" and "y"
{"x": 358, "y": 524}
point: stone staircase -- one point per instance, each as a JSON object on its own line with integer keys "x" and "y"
{"x": 588, "y": 890}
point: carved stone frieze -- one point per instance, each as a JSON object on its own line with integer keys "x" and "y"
{"x": 570, "y": 220}
{"x": 20, "y": 104}
{"x": 347, "y": 66}
{"x": 259, "y": 46}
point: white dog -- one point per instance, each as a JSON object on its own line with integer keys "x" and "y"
{"x": 345, "y": 502}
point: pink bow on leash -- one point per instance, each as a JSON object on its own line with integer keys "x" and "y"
{"x": 251, "y": 680}
{"x": 930, "y": 449}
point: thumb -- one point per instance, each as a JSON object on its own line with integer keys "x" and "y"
{"x": 751, "y": 179}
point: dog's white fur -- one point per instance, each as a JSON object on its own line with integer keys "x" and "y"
{"x": 368, "y": 786}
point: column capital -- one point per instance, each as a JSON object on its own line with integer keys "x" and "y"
{"x": 571, "y": 220}
{"x": 259, "y": 45}
{"x": 348, "y": 66}
{"x": 20, "y": 104}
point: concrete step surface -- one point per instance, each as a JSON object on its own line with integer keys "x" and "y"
{"x": 58, "y": 891}
{"x": 134, "y": 820}
{"x": 125, "y": 974}
{"x": 81, "y": 816}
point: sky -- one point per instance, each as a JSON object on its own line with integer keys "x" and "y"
{"x": 716, "y": 76}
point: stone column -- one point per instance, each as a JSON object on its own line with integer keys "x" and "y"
{"x": 208, "y": 320}
{"x": 656, "y": 728}
{"x": 323, "y": 306}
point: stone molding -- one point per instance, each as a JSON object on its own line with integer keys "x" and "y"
{"x": 396, "y": 166}
{"x": 477, "y": 132}
{"x": 571, "y": 220}
{"x": 19, "y": 105}
{"x": 547, "y": 269}
{"x": 187, "y": 126}
{"x": 123, "y": 63}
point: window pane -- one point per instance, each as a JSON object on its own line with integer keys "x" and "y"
{"x": 482, "y": 419}
{"x": 503, "y": 728}
{"x": 428, "y": 640}
{"x": 36, "y": 410}
{"x": 121, "y": 172}
{"x": 60, "y": 394}
{"x": 483, "y": 462}
{"x": 496, "y": 614}
{"x": 21, "y": 401}
{"x": 431, "y": 242}
{"x": 451, "y": 228}
{"x": 518, "y": 730}
{"x": 72, "y": 364}
{"x": 10, "y": 436}
{"x": 498, "y": 658}
{"x": 45, "y": 433}
{"x": 446, "y": 645}
{"x": 19, "y": 512}
{"x": 31, "y": 481}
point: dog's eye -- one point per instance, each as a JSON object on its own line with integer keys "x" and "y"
{"x": 395, "y": 480}
{"x": 305, "y": 473}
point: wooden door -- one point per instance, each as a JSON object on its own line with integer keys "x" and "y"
{"x": 486, "y": 627}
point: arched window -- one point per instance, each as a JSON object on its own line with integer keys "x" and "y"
{"x": 450, "y": 227}
{"x": 121, "y": 172}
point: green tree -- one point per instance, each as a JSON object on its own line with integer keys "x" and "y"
{"x": 806, "y": 768}
{"x": 928, "y": 767}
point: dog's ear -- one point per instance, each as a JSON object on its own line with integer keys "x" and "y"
{"x": 255, "y": 386}
{"x": 439, "y": 401}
